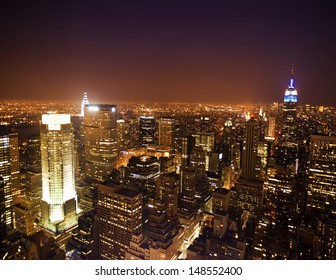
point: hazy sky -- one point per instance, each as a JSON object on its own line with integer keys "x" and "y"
{"x": 169, "y": 51}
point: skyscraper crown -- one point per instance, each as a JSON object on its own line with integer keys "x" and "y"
{"x": 291, "y": 93}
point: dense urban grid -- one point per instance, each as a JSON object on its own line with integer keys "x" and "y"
{"x": 168, "y": 181}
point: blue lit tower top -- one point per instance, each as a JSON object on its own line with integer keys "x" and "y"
{"x": 291, "y": 93}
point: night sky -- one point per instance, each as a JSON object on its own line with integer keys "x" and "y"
{"x": 167, "y": 51}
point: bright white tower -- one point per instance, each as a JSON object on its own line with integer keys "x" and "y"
{"x": 58, "y": 205}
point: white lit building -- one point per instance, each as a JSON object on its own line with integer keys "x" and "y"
{"x": 58, "y": 204}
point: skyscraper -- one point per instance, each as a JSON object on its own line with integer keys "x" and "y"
{"x": 289, "y": 115}
{"x": 166, "y": 129}
{"x": 188, "y": 188}
{"x": 119, "y": 217}
{"x": 9, "y": 168}
{"x": 146, "y": 130}
{"x": 271, "y": 129}
{"x": 58, "y": 204}
{"x": 250, "y": 150}
{"x": 3, "y": 230}
{"x": 188, "y": 143}
{"x": 85, "y": 102}
{"x": 321, "y": 191}
{"x": 100, "y": 140}
{"x": 167, "y": 193}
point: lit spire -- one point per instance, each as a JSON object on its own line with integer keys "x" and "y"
{"x": 85, "y": 101}
{"x": 291, "y": 93}
{"x": 291, "y": 83}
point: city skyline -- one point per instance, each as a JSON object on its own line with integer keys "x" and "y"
{"x": 179, "y": 51}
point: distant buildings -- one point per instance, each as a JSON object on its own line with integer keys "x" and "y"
{"x": 194, "y": 182}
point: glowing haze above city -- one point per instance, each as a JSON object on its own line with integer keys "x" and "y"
{"x": 167, "y": 51}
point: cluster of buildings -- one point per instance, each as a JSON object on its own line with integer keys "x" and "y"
{"x": 151, "y": 186}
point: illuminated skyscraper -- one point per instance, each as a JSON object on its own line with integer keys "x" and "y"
{"x": 3, "y": 230}
{"x": 85, "y": 102}
{"x": 321, "y": 191}
{"x": 100, "y": 140}
{"x": 119, "y": 217}
{"x": 250, "y": 150}
{"x": 167, "y": 193}
{"x": 121, "y": 129}
{"x": 166, "y": 129}
{"x": 58, "y": 204}
{"x": 146, "y": 130}
{"x": 9, "y": 169}
{"x": 289, "y": 115}
{"x": 271, "y": 129}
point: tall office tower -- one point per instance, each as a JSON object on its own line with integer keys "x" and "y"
{"x": 250, "y": 150}
{"x": 119, "y": 217}
{"x": 262, "y": 159}
{"x": 289, "y": 115}
{"x": 206, "y": 140}
{"x": 325, "y": 247}
{"x": 3, "y": 230}
{"x": 167, "y": 193}
{"x": 271, "y": 129}
{"x": 198, "y": 160}
{"x": 100, "y": 140}
{"x": 188, "y": 188}
{"x": 121, "y": 129}
{"x": 58, "y": 204}
{"x": 85, "y": 102}
{"x": 166, "y": 132}
{"x": 284, "y": 200}
{"x": 9, "y": 169}
{"x": 131, "y": 130}
{"x": 177, "y": 138}
{"x": 78, "y": 130}
{"x": 34, "y": 152}
{"x": 15, "y": 166}
{"x": 321, "y": 191}
{"x": 146, "y": 130}
{"x": 188, "y": 143}
{"x": 227, "y": 142}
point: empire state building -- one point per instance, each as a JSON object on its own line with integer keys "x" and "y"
{"x": 289, "y": 115}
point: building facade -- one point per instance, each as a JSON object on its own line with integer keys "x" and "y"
{"x": 58, "y": 204}
{"x": 100, "y": 140}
